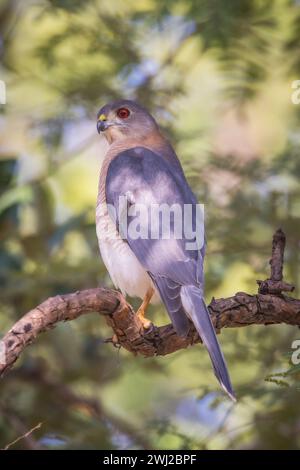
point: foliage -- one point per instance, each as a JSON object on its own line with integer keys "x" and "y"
{"x": 217, "y": 75}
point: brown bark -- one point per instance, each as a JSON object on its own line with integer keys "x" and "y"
{"x": 275, "y": 285}
{"x": 269, "y": 306}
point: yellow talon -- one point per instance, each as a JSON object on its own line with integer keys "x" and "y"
{"x": 142, "y": 310}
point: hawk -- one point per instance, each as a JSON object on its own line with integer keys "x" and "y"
{"x": 141, "y": 169}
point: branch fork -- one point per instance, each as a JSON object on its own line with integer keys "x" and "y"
{"x": 275, "y": 284}
{"x": 267, "y": 307}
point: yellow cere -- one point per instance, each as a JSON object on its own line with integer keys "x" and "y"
{"x": 102, "y": 117}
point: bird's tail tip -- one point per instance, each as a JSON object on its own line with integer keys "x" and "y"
{"x": 225, "y": 382}
{"x": 229, "y": 392}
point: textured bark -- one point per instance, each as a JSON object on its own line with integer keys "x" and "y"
{"x": 242, "y": 309}
{"x": 276, "y": 285}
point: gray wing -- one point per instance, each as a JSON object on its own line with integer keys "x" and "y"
{"x": 143, "y": 179}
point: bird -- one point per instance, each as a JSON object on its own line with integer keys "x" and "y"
{"x": 141, "y": 169}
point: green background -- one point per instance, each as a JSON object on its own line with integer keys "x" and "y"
{"x": 218, "y": 77}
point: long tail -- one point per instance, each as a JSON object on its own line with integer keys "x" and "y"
{"x": 196, "y": 309}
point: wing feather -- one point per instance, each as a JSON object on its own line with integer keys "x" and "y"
{"x": 151, "y": 180}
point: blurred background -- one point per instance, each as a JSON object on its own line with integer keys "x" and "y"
{"x": 218, "y": 77}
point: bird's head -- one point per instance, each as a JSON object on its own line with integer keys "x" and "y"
{"x": 125, "y": 119}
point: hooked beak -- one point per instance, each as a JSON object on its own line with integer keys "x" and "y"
{"x": 103, "y": 124}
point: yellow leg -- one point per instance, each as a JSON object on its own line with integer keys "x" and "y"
{"x": 142, "y": 310}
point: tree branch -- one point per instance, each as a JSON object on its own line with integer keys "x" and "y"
{"x": 275, "y": 285}
{"x": 269, "y": 306}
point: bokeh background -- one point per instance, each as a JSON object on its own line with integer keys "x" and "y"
{"x": 218, "y": 77}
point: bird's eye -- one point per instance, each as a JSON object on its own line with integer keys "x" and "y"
{"x": 123, "y": 113}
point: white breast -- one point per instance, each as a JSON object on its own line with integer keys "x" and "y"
{"x": 124, "y": 268}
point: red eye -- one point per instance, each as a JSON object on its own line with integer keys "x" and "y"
{"x": 123, "y": 113}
